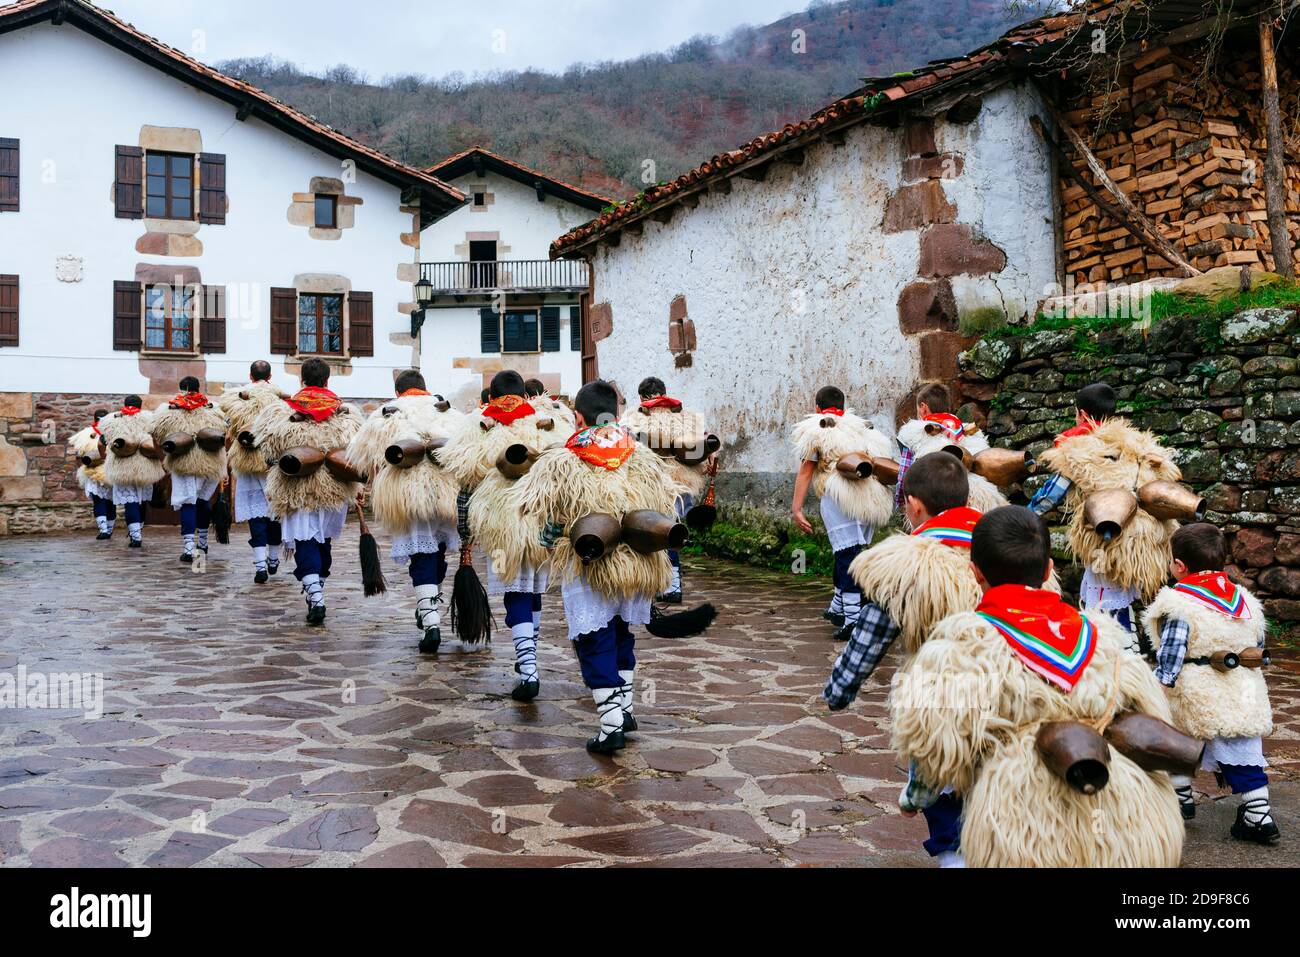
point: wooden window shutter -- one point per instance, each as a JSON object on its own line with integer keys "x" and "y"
{"x": 128, "y": 183}
{"x": 284, "y": 321}
{"x": 575, "y": 328}
{"x": 489, "y": 330}
{"x": 8, "y": 175}
{"x": 212, "y": 188}
{"x": 8, "y": 310}
{"x": 550, "y": 329}
{"x": 128, "y": 311}
{"x": 212, "y": 326}
{"x": 361, "y": 323}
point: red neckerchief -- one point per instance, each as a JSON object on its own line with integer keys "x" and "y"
{"x": 1216, "y": 591}
{"x": 130, "y": 410}
{"x": 952, "y": 426}
{"x": 953, "y": 527}
{"x": 1078, "y": 430}
{"x": 1049, "y": 637}
{"x": 605, "y": 446}
{"x": 661, "y": 402}
{"x": 830, "y": 411}
{"x": 316, "y": 401}
{"x": 189, "y": 401}
{"x": 508, "y": 409}
{"x": 410, "y": 392}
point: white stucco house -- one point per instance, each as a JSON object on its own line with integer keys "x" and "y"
{"x": 847, "y": 250}
{"x": 491, "y": 296}
{"x": 161, "y": 219}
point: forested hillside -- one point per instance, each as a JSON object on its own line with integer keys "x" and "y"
{"x": 598, "y": 123}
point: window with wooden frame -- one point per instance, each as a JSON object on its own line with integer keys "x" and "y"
{"x": 169, "y": 318}
{"x": 320, "y": 324}
{"x": 8, "y": 310}
{"x": 169, "y": 185}
{"x": 519, "y": 330}
{"x": 8, "y": 175}
{"x": 327, "y": 211}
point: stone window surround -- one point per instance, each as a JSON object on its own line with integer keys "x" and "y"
{"x": 148, "y": 274}
{"x": 326, "y": 284}
{"x": 489, "y": 197}
{"x": 302, "y": 209}
{"x": 172, "y": 237}
{"x": 461, "y": 250}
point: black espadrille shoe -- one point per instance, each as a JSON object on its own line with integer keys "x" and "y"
{"x": 1265, "y": 832}
{"x": 607, "y": 745}
{"x": 526, "y": 690}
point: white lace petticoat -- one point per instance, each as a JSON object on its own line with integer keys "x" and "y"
{"x": 1243, "y": 752}
{"x": 1097, "y": 594}
{"x": 319, "y": 524}
{"x": 529, "y": 581}
{"x": 844, "y": 532}
{"x": 424, "y": 538}
{"x": 132, "y": 494}
{"x": 588, "y": 610}
{"x": 250, "y": 497}
{"x": 99, "y": 489}
{"x": 188, "y": 489}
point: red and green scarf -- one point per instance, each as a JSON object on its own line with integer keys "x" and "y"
{"x": 953, "y": 527}
{"x": 315, "y": 401}
{"x": 1049, "y": 637}
{"x": 508, "y": 409}
{"x": 1217, "y": 592}
{"x": 605, "y": 446}
{"x": 661, "y": 402}
{"x": 953, "y": 428}
{"x": 189, "y": 401}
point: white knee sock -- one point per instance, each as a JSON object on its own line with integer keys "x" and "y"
{"x": 134, "y": 531}
{"x": 203, "y": 537}
{"x": 1258, "y": 810}
{"x": 677, "y": 580}
{"x": 625, "y": 693}
{"x": 525, "y": 650}
{"x": 108, "y": 525}
{"x": 953, "y": 859}
{"x": 273, "y": 553}
{"x": 607, "y": 706}
{"x": 852, "y": 605}
{"x": 259, "y": 557}
{"x": 314, "y": 589}
{"x": 427, "y": 598}
{"x": 188, "y": 541}
{"x": 1183, "y": 788}
{"x": 837, "y": 603}
{"x": 101, "y": 523}
{"x": 537, "y": 622}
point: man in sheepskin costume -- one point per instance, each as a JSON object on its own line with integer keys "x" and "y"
{"x": 599, "y": 478}
{"x": 413, "y": 496}
{"x": 662, "y": 423}
{"x": 852, "y": 506}
{"x": 192, "y": 431}
{"x": 909, "y": 583}
{"x": 132, "y": 463}
{"x": 311, "y": 502}
{"x": 241, "y": 408}
{"x": 1211, "y": 635}
{"x": 517, "y": 564}
{"x": 1104, "y": 471}
{"x": 971, "y": 708}
{"x": 85, "y": 446}
{"x": 937, "y": 429}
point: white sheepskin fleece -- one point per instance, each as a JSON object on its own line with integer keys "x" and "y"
{"x": 168, "y": 420}
{"x": 135, "y": 469}
{"x": 984, "y": 495}
{"x": 661, "y": 428}
{"x": 277, "y": 433}
{"x": 241, "y": 407}
{"x": 866, "y": 500}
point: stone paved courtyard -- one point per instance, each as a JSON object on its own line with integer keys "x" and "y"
{"x": 235, "y": 736}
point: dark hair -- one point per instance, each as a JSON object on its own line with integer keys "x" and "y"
{"x": 259, "y": 371}
{"x": 936, "y": 397}
{"x": 829, "y": 397}
{"x": 534, "y": 388}
{"x": 939, "y": 481}
{"x": 132, "y": 402}
{"x": 1011, "y": 546}
{"x": 1201, "y": 547}
{"x": 484, "y": 395}
{"x": 597, "y": 403}
{"x": 507, "y": 382}
{"x": 1096, "y": 400}
{"x": 650, "y": 387}
{"x": 190, "y": 384}
{"x": 100, "y": 413}
{"x": 410, "y": 379}
{"x": 315, "y": 372}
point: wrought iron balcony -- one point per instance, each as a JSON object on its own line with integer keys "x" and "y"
{"x": 507, "y": 275}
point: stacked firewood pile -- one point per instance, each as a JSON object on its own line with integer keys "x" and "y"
{"x": 1189, "y": 153}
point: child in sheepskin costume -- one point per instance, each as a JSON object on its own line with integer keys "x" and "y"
{"x": 312, "y": 507}
{"x": 851, "y": 508}
{"x": 1211, "y": 635}
{"x": 547, "y": 404}
{"x": 661, "y": 422}
{"x": 413, "y": 496}
{"x": 132, "y": 463}
{"x": 517, "y": 564}
{"x": 241, "y": 408}
{"x": 936, "y": 429}
{"x": 601, "y": 471}
{"x": 85, "y": 446}
{"x": 196, "y": 470}
{"x": 968, "y": 708}
{"x": 1101, "y": 456}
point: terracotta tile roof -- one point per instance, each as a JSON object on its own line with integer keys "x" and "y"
{"x": 438, "y": 198}
{"x": 464, "y": 162}
{"x": 1013, "y": 50}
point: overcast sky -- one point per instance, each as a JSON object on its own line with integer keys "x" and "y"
{"x": 436, "y": 37}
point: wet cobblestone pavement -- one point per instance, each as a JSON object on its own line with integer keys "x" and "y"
{"x": 234, "y": 735}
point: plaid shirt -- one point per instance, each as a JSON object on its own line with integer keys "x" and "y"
{"x": 917, "y": 795}
{"x": 905, "y": 459}
{"x": 551, "y": 533}
{"x": 1173, "y": 650}
{"x": 872, "y": 636}
{"x": 1051, "y": 495}
{"x": 462, "y": 515}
